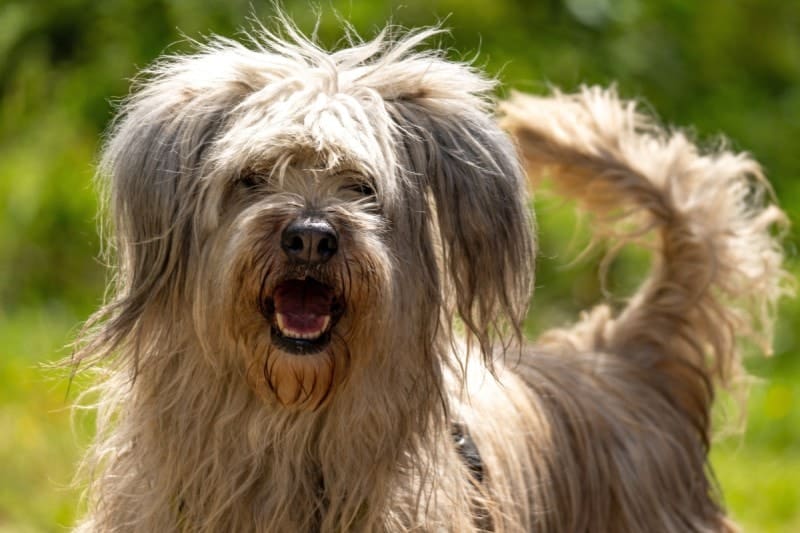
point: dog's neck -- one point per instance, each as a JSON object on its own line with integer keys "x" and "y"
{"x": 235, "y": 450}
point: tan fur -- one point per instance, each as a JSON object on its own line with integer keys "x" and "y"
{"x": 206, "y": 424}
{"x": 629, "y": 394}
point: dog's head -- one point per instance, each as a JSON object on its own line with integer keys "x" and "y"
{"x": 302, "y": 214}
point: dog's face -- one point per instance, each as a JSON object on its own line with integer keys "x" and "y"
{"x": 305, "y": 274}
{"x": 300, "y": 215}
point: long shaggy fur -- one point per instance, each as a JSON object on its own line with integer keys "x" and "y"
{"x": 205, "y": 423}
{"x": 634, "y": 430}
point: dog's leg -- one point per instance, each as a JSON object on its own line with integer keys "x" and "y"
{"x": 640, "y": 384}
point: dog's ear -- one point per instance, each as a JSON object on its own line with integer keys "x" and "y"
{"x": 452, "y": 147}
{"x": 150, "y": 173}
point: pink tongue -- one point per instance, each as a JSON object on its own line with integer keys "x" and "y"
{"x": 303, "y": 323}
{"x": 304, "y": 304}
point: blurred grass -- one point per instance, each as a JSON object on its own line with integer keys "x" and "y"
{"x": 63, "y": 62}
{"x": 38, "y": 450}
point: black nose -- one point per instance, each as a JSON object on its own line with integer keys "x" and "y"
{"x": 309, "y": 240}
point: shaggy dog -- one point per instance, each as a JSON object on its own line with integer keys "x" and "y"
{"x": 323, "y": 261}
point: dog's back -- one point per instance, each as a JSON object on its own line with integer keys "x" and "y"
{"x": 619, "y": 425}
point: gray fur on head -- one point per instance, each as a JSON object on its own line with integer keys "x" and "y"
{"x": 416, "y": 126}
{"x": 209, "y": 160}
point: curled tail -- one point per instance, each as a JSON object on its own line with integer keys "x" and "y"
{"x": 717, "y": 275}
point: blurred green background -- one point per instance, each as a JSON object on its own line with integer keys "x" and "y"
{"x": 717, "y": 65}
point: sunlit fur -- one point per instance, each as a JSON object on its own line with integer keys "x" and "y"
{"x": 205, "y": 425}
{"x": 626, "y": 396}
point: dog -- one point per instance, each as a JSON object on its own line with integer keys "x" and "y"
{"x": 323, "y": 261}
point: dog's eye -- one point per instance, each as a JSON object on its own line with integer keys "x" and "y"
{"x": 361, "y": 188}
{"x": 250, "y": 180}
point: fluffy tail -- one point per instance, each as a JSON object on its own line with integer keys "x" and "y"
{"x": 717, "y": 275}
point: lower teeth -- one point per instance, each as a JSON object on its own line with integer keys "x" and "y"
{"x": 281, "y": 323}
{"x": 309, "y": 337}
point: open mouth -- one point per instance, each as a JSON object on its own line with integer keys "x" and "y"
{"x": 302, "y": 313}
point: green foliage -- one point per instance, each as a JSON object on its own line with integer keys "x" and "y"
{"x": 718, "y": 65}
